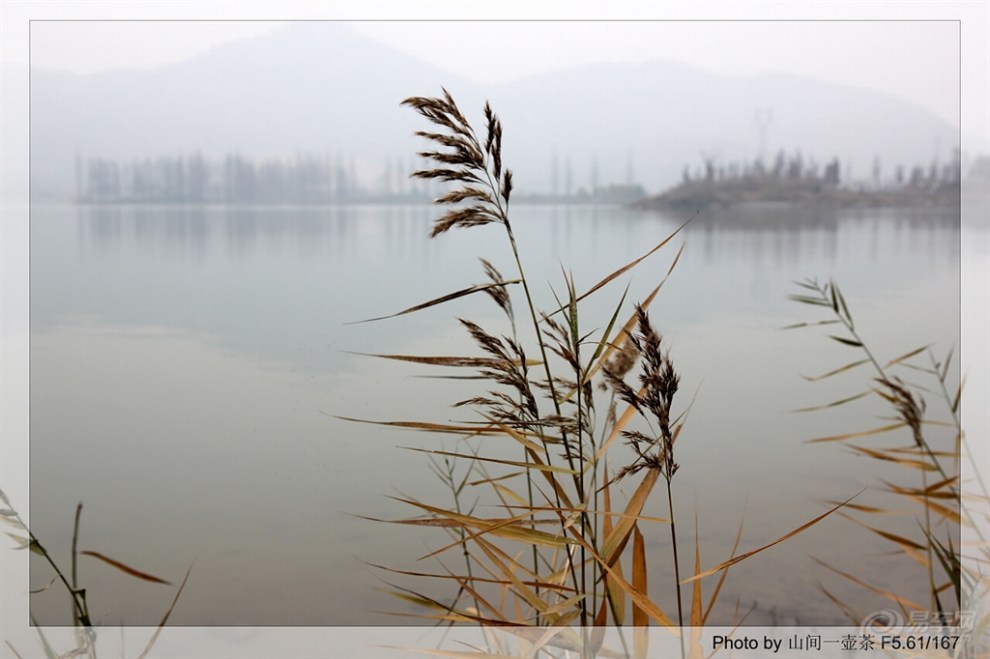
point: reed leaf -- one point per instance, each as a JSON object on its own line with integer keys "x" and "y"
{"x": 606, "y": 335}
{"x": 452, "y": 361}
{"x": 846, "y": 341}
{"x": 640, "y": 619}
{"x": 127, "y": 569}
{"x": 835, "y": 403}
{"x": 697, "y": 615}
{"x": 614, "y": 593}
{"x": 949, "y": 560}
{"x": 427, "y": 426}
{"x": 542, "y": 584}
{"x": 923, "y": 465}
{"x": 615, "y": 541}
{"x": 45, "y": 587}
{"x": 520, "y": 534}
{"x": 491, "y": 529}
{"x": 811, "y": 324}
{"x": 620, "y": 424}
{"x": 723, "y": 574}
{"x": 639, "y": 576}
{"x": 168, "y": 614}
{"x": 854, "y": 618}
{"x": 900, "y": 601}
{"x": 511, "y": 463}
{"x": 805, "y": 299}
{"x": 907, "y": 355}
{"x": 632, "y": 264}
{"x": 638, "y": 598}
{"x": 853, "y": 435}
{"x": 519, "y": 588}
{"x": 790, "y": 534}
{"x": 477, "y": 288}
{"x": 534, "y": 455}
{"x": 841, "y": 369}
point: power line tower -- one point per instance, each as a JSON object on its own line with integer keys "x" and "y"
{"x": 763, "y": 117}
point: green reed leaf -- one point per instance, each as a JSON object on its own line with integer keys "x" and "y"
{"x": 849, "y": 342}
{"x": 804, "y": 299}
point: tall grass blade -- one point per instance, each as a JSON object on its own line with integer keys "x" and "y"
{"x": 615, "y": 542}
{"x": 841, "y": 369}
{"x": 453, "y": 361}
{"x": 907, "y": 355}
{"x": 616, "y": 432}
{"x": 632, "y": 264}
{"x": 722, "y": 576}
{"x": 897, "y": 599}
{"x": 519, "y": 588}
{"x": 835, "y": 403}
{"x": 850, "y": 613}
{"x": 614, "y": 593}
{"x": 789, "y": 534}
{"x": 127, "y": 569}
{"x": 427, "y": 426}
{"x": 923, "y": 465}
{"x": 45, "y": 587}
{"x": 478, "y": 458}
{"x": 168, "y": 614}
{"x": 853, "y": 435}
{"x": 697, "y": 615}
{"x": 542, "y": 584}
{"x": 49, "y": 650}
{"x": 641, "y": 621}
{"x": 640, "y": 599}
{"x": 477, "y": 288}
{"x": 606, "y": 335}
{"x": 639, "y": 576}
{"x": 811, "y": 324}
{"x": 521, "y": 534}
{"x": 846, "y": 341}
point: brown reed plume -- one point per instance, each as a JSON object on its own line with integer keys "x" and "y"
{"x": 937, "y": 506}
{"x": 546, "y": 543}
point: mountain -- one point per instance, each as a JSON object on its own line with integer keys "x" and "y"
{"x": 320, "y": 88}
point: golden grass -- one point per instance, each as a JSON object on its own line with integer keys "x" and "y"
{"x": 565, "y": 553}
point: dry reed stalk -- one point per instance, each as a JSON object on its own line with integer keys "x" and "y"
{"x": 564, "y": 517}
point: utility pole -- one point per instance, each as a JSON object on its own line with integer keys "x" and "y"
{"x": 763, "y": 117}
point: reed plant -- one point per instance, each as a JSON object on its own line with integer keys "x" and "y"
{"x": 68, "y": 580}
{"x": 926, "y": 447}
{"x": 548, "y": 547}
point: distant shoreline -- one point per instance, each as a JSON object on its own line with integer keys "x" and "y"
{"x": 701, "y": 195}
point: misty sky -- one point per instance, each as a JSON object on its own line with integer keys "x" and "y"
{"x": 917, "y": 60}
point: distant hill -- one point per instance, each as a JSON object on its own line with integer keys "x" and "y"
{"x": 320, "y": 88}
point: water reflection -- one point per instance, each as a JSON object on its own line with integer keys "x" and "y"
{"x": 211, "y": 343}
{"x": 770, "y": 234}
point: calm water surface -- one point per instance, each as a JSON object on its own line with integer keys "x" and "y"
{"x": 187, "y": 364}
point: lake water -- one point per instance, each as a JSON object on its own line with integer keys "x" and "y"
{"x": 187, "y": 365}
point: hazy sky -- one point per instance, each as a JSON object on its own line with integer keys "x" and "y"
{"x": 918, "y": 60}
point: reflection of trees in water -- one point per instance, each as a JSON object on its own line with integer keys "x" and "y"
{"x": 772, "y": 234}
{"x": 784, "y": 234}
